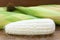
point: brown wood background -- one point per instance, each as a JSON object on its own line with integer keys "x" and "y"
{"x": 28, "y": 2}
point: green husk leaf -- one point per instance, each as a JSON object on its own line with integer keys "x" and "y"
{"x": 41, "y": 12}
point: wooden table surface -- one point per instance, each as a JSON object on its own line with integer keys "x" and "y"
{"x": 28, "y": 2}
{"x": 55, "y": 36}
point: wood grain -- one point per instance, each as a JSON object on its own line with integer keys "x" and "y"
{"x": 55, "y": 36}
{"x": 28, "y": 2}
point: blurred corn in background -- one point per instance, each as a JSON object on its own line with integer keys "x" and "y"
{"x": 5, "y": 15}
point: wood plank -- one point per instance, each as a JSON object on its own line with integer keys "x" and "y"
{"x": 28, "y": 2}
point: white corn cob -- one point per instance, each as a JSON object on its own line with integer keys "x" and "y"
{"x": 31, "y": 27}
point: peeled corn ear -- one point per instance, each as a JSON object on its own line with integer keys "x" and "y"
{"x": 31, "y": 27}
